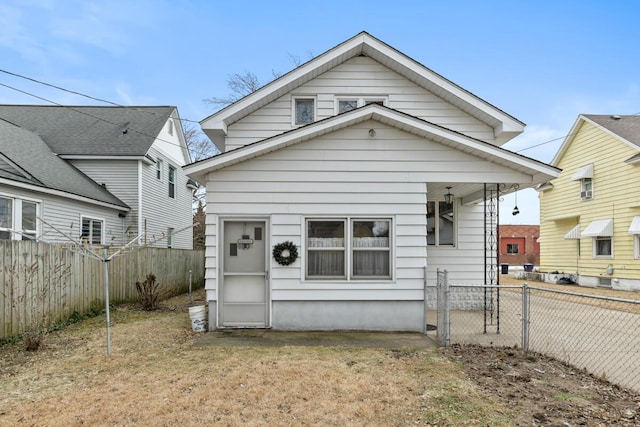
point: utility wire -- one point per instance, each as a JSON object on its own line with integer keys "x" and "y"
{"x": 181, "y": 119}
{"x": 97, "y": 117}
{"x": 82, "y": 94}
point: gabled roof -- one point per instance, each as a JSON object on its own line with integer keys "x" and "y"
{"x": 539, "y": 170}
{"x": 91, "y": 130}
{"x": 29, "y": 163}
{"x": 505, "y": 126}
{"x": 626, "y": 129}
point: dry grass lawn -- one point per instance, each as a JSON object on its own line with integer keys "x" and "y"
{"x": 156, "y": 376}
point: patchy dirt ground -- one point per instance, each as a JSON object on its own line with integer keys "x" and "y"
{"x": 544, "y": 391}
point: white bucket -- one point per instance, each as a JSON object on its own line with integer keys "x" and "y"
{"x": 197, "y": 316}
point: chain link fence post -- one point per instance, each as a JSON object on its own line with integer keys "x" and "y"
{"x": 525, "y": 317}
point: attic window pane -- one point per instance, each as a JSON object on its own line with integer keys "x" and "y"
{"x": 304, "y": 111}
{"x": 347, "y": 105}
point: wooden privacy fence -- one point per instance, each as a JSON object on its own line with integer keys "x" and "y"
{"x": 42, "y": 284}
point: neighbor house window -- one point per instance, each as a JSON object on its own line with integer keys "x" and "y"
{"x": 29, "y": 215}
{"x": 6, "y": 218}
{"x": 92, "y": 230}
{"x": 172, "y": 182}
{"x": 170, "y": 232}
{"x": 512, "y": 248}
{"x": 345, "y": 104}
{"x": 159, "y": 169}
{"x": 351, "y": 249}
{"x": 602, "y": 246}
{"x": 18, "y": 219}
{"x": 304, "y": 110}
{"x": 440, "y": 224}
{"x": 586, "y": 188}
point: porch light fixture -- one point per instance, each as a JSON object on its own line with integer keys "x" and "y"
{"x": 516, "y": 211}
{"x": 448, "y": 197}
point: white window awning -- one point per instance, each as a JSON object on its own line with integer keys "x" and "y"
{"x": 634, "y": 228}
{"x": 599, "y": 228}
{"x": 573, "y": 234}
{"x": 583, "y": 172}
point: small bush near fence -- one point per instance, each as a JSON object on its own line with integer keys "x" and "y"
{"x": 42, "y": 285}
{"x": 596, "y": 333}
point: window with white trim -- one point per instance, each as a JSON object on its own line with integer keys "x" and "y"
{"x": 586, "y": 188}
{"x": 344, "y": 104}
{"x": 440, "y": 224}
{"x": 364, "y": 254}
{"x": 159, "y": 166}
{"x": 172, "y": 182}
{"x": 170, "y": 126}
{"x": 6, "y": 218}
{"x": 512, "y": 248}
{"x": 304, "y": 110}
{"x": 170, "y": 232}
{"x": 18, "y": 218}
{"x": 603, "y": 246}
{"x": 92, "y": 230}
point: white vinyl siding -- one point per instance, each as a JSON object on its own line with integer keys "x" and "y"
{"x": 347, "y": 174}
{"x": 359, "y": 77}
{"x": 63, "y": 216}
{"x": 162, "y": 212}
{"x": 121, "y": 179}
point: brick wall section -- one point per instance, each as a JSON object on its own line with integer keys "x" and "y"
{"x": 516, "y": 234}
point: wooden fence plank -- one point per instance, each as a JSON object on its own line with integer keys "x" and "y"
{"x": 47, "y": 283}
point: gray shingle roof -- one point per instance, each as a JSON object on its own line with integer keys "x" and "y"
{"x": 37, "y": 165}
{"x": 91, "y": 130}
{"x": 627, "y": 127}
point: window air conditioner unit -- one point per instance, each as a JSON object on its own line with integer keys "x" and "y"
{"x": 586, "y": 195}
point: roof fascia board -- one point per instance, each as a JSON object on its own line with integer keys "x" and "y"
{"x": 361, "y": 43}
{"x": 567, "y": 140}
{"x": 372, "y": 111}
{"x": 509, "y": 123}
{"x": 61, "y": 193}
{"x": 218, "y": 120}
{"x": 612, "y": 133}
{"x": 574, "y": 132}
{"x": 144, "y": 159}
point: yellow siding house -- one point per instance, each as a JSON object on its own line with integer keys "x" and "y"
{"x": 590, "y": 213}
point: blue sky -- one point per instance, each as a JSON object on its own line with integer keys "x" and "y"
{"x": 543, "y": 62}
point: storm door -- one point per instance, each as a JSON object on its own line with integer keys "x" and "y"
{"x": 245, "y": 285}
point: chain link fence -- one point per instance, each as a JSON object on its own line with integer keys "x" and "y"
{"x": 596, "y": 333}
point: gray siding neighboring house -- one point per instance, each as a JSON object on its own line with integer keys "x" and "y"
{"x": 95, "y": 166}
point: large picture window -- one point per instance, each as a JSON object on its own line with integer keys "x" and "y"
{"x": 365, "y": 252}
{"x": 440, "y": 224}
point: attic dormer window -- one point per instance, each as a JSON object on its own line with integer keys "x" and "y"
{"x": 304, "y": 110}
{"x": 348, "y": 103}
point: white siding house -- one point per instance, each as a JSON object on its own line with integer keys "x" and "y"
{"x": 349, "y": 157}
{"x": 102, "y": 169}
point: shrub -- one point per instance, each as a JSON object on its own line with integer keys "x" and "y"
{"x": 148, "y": 292}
